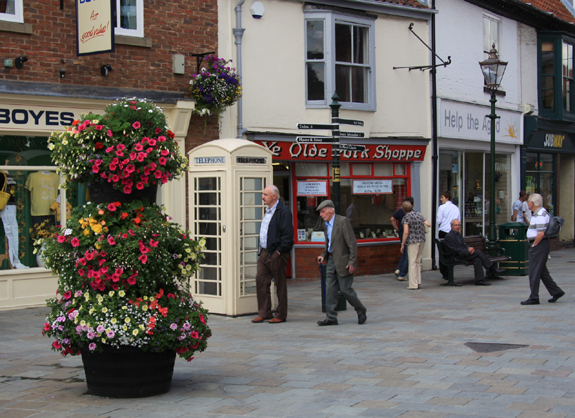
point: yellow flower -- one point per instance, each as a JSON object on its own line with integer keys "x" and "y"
{"x": 124, "y": 307}
{"x": 113, "y": 321}
{"x": 145, "y": 298}
{"x": 104, "y": 340}
{"x": 127, "y": 320}
{"x": 122, "y": 293}
{"x": 111, "y": 293}
{"x": 104, "y": 310}
{"x": 145, "y": 308}
{"x": 142, "y": 327}
{"x": 135, "y": 332}
{"x": 125, "y": 328}
{"x": 91, "y": 311}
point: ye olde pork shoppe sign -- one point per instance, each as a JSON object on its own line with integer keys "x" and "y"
{"x": 293, "y": 151}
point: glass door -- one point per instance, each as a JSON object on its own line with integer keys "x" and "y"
{"x": 207, "y": 201}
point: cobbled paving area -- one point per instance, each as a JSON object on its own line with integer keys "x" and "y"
{"x": 414, "y": 357}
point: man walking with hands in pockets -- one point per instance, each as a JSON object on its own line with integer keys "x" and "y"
{"x": 341, "y": 256}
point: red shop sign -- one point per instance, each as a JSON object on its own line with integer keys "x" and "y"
{"x": 293, "y": 151}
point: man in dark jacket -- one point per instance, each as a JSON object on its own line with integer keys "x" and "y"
{"x": 455, "y": 247}
{"x": 276, "y": 242}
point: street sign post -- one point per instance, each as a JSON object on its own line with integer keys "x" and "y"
{"x": 327, "y": 126}
{"x": 313, "y": 139}
{"x": 349, "y": 122}
{"x": 349, "y": 147}
{"x": 337, "y": 148}
{"x": 352, "y": 134}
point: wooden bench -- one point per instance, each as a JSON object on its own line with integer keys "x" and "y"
{"x": 475, "y": 241}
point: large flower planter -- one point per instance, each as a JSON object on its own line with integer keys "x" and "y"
{"x": 128, "y": 372}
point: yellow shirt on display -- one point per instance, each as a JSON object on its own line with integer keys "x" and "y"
{"x": 43, "y": 186}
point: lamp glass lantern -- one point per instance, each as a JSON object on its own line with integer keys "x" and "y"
{"x": 493, "y": 69}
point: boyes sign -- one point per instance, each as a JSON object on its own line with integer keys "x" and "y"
{"x": 94, "y": 26}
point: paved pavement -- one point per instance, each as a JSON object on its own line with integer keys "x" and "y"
{"x": 409, "y": 360}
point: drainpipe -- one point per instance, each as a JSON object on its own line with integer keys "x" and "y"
{"x": 434, "y": 145}
{"x": 238, "y": 32}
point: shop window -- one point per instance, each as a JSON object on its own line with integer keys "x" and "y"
{"x": 540, "y": 177}
{"x": 547, "y": 75}
{"x": 35, "y": 202}
{"x": 339, "y": 55}
{"x": 368, "y": 200}
{"x": 129, "y": 18}
{"x": 11, "y": 11}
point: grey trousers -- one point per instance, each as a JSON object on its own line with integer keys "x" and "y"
{"x": 538, "y": 270}
{"x": 332, "y": 280}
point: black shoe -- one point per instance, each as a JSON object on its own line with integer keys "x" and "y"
{"x": 482, "y": 283}
{"x": 361, "y": 318}
{"x": 326, "y": 322}
{"x": 530, "y": 302}
{"x": 495, "y": 271}
{"x": 555, "y": 298}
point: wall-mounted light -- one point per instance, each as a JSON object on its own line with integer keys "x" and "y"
{"x": 19, "y": 61}
{"x": 62, "y": 72}
{"x": 257, "y": 9}
{"x": 105, "y": 69}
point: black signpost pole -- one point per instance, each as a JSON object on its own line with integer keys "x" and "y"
{"x": 335, "y": 195}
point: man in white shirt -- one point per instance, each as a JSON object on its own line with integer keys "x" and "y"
{"x": 539, "y": 253}
{"x": 447, "y": 212}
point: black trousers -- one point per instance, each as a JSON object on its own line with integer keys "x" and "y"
{"x": 538, "y": 270}
{"x": 442, "y": 267}
{"x": 480, "y": 261}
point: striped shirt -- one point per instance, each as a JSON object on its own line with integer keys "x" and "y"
{"x": 539, "y": 222}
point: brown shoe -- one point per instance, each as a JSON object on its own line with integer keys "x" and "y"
{"x": 259, "y": 319}
{"x": 276, "y": 321}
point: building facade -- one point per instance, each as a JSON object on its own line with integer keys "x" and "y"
{"x": 44, "y": 86}
{"x": 313, "y": 50}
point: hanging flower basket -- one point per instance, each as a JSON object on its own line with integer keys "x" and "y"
{"x": 216, "y": 87}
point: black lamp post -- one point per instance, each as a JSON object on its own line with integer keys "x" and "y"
{"x": 493, "y": 69}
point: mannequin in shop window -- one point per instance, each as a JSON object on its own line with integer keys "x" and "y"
{"x": 10, "y": 223}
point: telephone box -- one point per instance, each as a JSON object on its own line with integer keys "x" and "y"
{"x": 226, "y": 181}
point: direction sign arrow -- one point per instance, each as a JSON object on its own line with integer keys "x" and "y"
{"x": 348, "y": 121}
{"x": 352, "y": 134}
{"x": 328, "y": 126}
{"x": 314, "y": 139}
{"x": 349, "y": 147}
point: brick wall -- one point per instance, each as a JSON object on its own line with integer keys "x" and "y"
{"x": 174, "y": 27}
{"x": 377, "y": 259}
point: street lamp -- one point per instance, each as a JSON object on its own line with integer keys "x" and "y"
{"x": 493, "y": 69}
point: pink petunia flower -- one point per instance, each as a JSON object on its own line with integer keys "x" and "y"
{"x": 136, "y": 125}
{"x": 92, "y": 346}
{"x": 112, "y": 207}
{"x": 111, "y": 241}
{"x": 75, "y": 242}
{"x": 143, "y": 258}
{"x": 61, "y": 239}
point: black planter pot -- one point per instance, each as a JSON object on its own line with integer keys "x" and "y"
{"x": 128, "y": 372}
{"x": 105, "y": 193}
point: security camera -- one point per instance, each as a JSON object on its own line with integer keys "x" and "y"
{"x": 19, "y": 62}
{"x": 105, "y": 69}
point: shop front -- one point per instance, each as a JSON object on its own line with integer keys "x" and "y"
{"x": 373, "y": 185}
{"x": 548, "y": 166}
{"x": 465, "y": 162}
{"x": 38, "y": 199}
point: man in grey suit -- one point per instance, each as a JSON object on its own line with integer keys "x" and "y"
{"x": 341, "y": 256}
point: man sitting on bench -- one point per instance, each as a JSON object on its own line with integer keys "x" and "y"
{"x": 455, "y": 247}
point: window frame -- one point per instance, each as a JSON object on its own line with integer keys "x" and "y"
{"x": 330, "y": 19}
{"x": 557, "y": 111}
{"x": 18, "y": 16}
{"x": 497, "y": 42}
{"x": 137, "y": 33}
